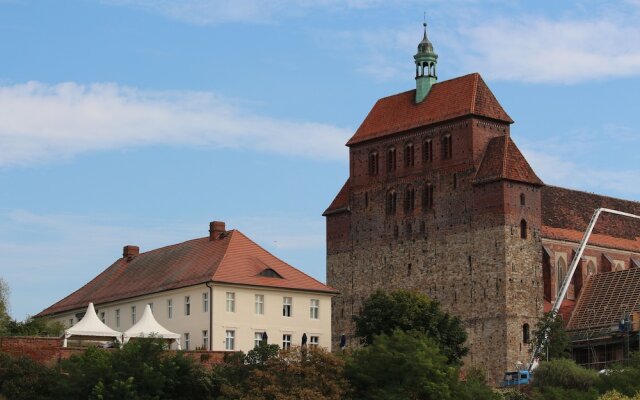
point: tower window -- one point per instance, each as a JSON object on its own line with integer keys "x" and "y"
{"x": 523, "y": 229}
{"x": 366, "y": 199}
{"x": 561, "y": 273}
{"x": 427, "y": 151}
{"x": 391, "y": 159}
{"x": 391, "y": 202}
{"x": 427, "y": 196}
{"x": 409, "y": 199}
{"x": 591, "y": 268}
{"x": 447, "y": 148}
{"x": 523, "y": 200}
{"x": 373, "y": 163}
{"x": 526, "y": 334}
{"x": 408, "y": 155}
{"x": 455, "y": 180}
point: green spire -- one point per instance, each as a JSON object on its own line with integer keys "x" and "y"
{"x": 426, "y": 60}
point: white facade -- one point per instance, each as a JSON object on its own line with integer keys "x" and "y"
{"x": 236, "y": 319}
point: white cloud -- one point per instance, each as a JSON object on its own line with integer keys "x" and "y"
{"x": 40, "y": 122}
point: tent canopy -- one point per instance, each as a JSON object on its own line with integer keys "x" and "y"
{"x": 90, "y": 326}
{"x": 148, "y": 326}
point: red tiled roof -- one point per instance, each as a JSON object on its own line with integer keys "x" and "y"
{"x": 503, "y": 160}
{"x": 466, "y": 95}
{"x": 340, "y": 202}
{"x": 566, "y": 214}
{"x": 234, "y": 259}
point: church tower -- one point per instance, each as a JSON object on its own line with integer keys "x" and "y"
{"x": 426, "y": 60}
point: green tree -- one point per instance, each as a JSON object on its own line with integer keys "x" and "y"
{"x": 623, "y": 378}
{"x": 564, "y": 379}
{"x": 402, "y": 365}
{"x": 384, "y": 312}
{"x": 551, "y": 337}
{"x": 4, "y": 307}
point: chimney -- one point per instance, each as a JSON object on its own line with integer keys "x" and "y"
{"x": 216, "y": 229}
{"x": 128, "y": 252}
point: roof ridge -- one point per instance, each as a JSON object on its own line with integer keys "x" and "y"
{"x": 593, "y": 193}
{"x": 226, "y": 250}
{"x": 475, "y": 92}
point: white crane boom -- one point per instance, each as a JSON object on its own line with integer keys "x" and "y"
{"x": 574, "y": 265}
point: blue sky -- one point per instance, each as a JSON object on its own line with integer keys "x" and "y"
{"x": 139, "y": 121}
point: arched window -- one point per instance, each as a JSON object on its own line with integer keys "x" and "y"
{"x": 561, "y": 273}
{"x": 591, "y": 268}
{"x": 408, "y": 155}
{"x": 526, "y": 334}
{"x": 409, "y": 199}
{"x": 523, "y": 229}
{"x": 447, "y": 148}
{"x": 373, "y": 163}
{"x": 427, "y": 151}
{"x": 391, "y": 159}
{"x": 523, "y": 200}
{"x": 427, "y": 196}
{"x": 391, "y": 202}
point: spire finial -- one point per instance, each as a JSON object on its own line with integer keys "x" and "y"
{"x": 424, "y": 24}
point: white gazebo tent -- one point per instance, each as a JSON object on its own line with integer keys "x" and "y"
{"x": 147, "y": 326}
{"x": 90, "y": 327}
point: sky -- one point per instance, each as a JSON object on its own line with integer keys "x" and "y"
{"x": 140, "y": 121}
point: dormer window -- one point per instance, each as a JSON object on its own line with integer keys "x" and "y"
{"x": 269, "y": 273}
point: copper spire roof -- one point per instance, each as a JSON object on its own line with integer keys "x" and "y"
{"x": 466, "y": 95}
{"x": 503, "y": 160}
{"x": 234, "y": 259}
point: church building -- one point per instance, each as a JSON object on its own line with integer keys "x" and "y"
{"x": 440, "y": 199}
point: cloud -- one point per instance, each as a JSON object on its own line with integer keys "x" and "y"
{"x": 211, "y": 12}
{"x": 41, "y": 122}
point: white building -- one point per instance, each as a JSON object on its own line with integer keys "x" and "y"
{"x": 219, "y": 292}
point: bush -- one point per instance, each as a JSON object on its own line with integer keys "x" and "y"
{"x": 564, "y": 373}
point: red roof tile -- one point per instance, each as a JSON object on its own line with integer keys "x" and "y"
{"x": 466, "y": 95}
{"x": 234, "y": 259}
{"x": 502, "y": 160}
{"x": 340, "y": 202}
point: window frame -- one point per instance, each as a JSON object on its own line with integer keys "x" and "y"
{"x": 287, "y": 307}
{"x": 314, "y": 308}
{"x": 169, "y": 308}
{"x": 117, "y": 318}
{"x": 314, "y": 341}
{"x": 230, "y": 302}
{"x": 133, "y": 315}
{"x": 187, "y": 341}
{"x": 230, "y": 340}
{"x": 286, "y": 341}
{"x": 258, "y": 305}
{"x": 257, "y": 339}
{"x": 205, "y": 301}
{"x": 205, "y": 339}
{"x": 187, "y": 305}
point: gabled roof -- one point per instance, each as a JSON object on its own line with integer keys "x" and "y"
{"x": 606, "y": 298}
{"x": 234, "y": 259}
{"x": 466, "y": 95}
{"x": 503, "y": 160}
{"x": 340, "y": 202}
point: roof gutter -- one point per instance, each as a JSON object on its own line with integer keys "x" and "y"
{"x": 210, "y": 286}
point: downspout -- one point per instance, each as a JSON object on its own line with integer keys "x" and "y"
{"x": 210, "y": 286}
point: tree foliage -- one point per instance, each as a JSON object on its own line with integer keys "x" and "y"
{"x": 563, "y": 379}
{"x": 551, "y": 336}
{"x": 4, "y": 307}
{"x": 384, "y": 312}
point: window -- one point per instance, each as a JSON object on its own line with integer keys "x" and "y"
{"x": 314, "y": 341}
{"x": 427, "y": 151}
{"x": 523, "y": 200}
{"x": 205, "y": 339}
{"x": 230, "y": 340}
{"x": 286, "y": 341}
{"x": 447, "y": 150}
{"x": 70, "y": 322}
{"x": 187, "y": 305}
{"x": 151, "y": 306}
{"x": 391, "y": 202}
{"x": 523, "y": 229}
{"x": 561, "y": 272}
{"x": 187, "y": 341}
{"x": 117, "y": 318}
{"x": 373, "y": 163}
{"x": 133, "y": 315}
{"x": 170, "y": 308}
{"x": 526, "y": 336}
{"x": 366, "y": 199}
{"x": 591, "y": 268}
{"x": 286, "y": 306}
{"x": 231, "y": 302}
{"x": 391, "y": 159}
{"x": 409, "y": 199}
{"x": 427, "y": 196}
{"x": 408, "y": 155}
{"x": 257, "y": 339}
{"x": 314, "y": 310}
{"x": 455, "y": 180}
{"x": 205, "y": 302}
{"x": 102, "y": 317}
{"x": 259, "y": 305}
